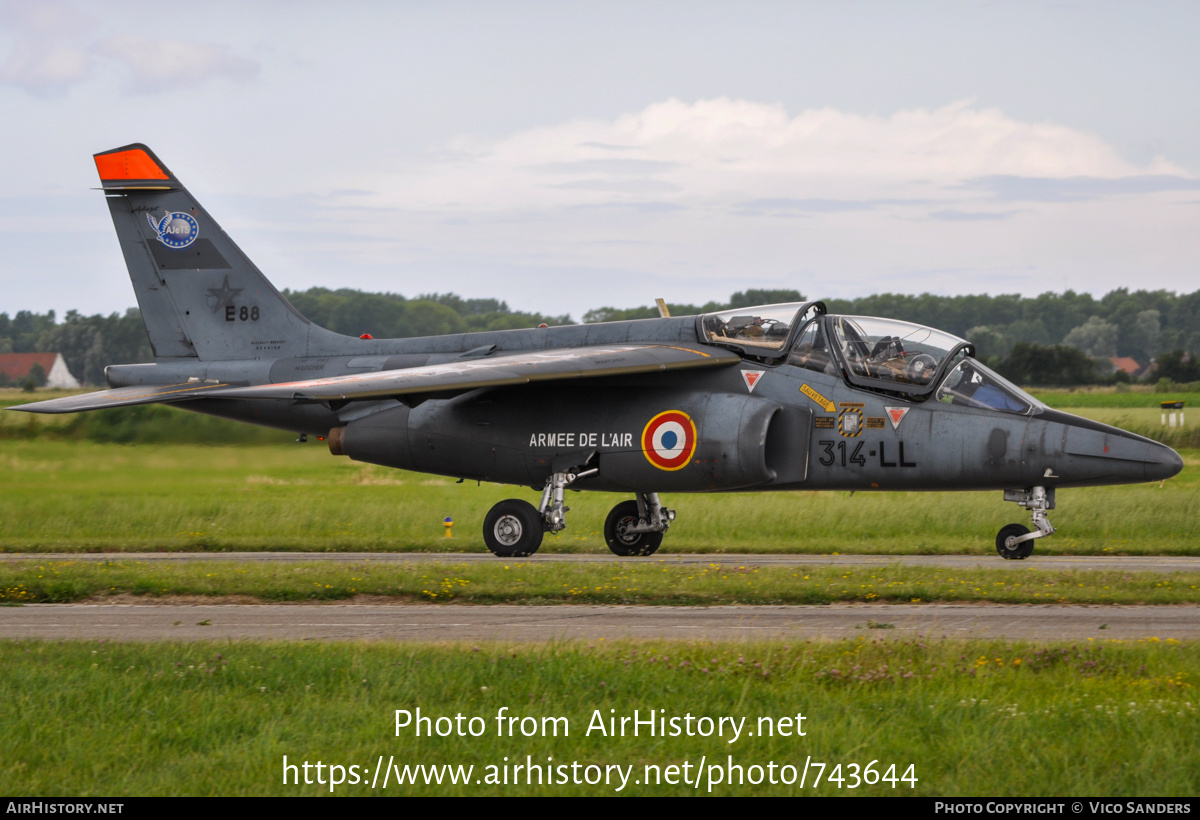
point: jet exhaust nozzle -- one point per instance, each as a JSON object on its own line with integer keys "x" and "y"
{"x": 337, "y": 441}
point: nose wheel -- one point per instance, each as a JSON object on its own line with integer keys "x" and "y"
{"x": 1009, "y": 547}
{"x": 1016, "y": 540}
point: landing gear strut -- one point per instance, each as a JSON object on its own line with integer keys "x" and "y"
{"x": 637, "y": 527}
{"x": 1016, "y": 541}
{"x": 514, "y": 528}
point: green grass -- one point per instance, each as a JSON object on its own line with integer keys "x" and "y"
{"x": 980, "y": 717}
{"x": 646, "y": 582}
{"x": 78, "y": 495}
{"x": 1109, "y": 397}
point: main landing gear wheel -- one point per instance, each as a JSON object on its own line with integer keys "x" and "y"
{"x": 1015, "y": 551}
{"x": 513, "y": 529}
{"x": 623, "y": 542}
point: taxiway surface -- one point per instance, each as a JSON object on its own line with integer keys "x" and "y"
{"x": 448, "y": 622}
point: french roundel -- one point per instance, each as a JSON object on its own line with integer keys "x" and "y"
{"x": 669, "y": 440}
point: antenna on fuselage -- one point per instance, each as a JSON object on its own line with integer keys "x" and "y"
{"x": 663, "y": 311}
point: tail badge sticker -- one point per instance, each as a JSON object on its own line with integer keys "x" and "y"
{"x": 751, "y": 377}
{"x": 669, "y": 440}
{"x": 896, "y": 415}
{"x": 176, "y": 229}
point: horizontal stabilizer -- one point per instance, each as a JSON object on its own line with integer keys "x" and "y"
{"x": 121, "y": 397}
{"x": 521, "y": 368}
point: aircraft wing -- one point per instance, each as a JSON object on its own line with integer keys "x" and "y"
{"x": 518, "y": 368}
{"x": 121, "y": 397}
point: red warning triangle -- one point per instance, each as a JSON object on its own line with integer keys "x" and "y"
{"x": 896, "y": 414}
{"x": 751, "y": 377}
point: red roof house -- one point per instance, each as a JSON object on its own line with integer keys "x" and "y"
{"x": 1126, "y": 365}
{"x": 17, "y": 366}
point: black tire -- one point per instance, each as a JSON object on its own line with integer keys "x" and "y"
{"x": 628, "y": 543}
{"x": 1018, "y": 552}
{"x": 513, "y": 529}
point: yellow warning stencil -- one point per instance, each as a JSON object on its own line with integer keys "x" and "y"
{"x": 818, "y": 398}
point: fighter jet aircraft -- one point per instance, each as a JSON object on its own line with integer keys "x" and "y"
{"x": 778, "y": 397}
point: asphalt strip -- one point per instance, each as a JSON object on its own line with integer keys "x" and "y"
{"x": 449, "y": 622}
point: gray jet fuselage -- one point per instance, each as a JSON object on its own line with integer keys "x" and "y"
{"x": 516, "y": 435}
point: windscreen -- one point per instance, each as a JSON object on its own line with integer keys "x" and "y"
{"x": 891, "y": 350}
{"x": 970, "y": 384}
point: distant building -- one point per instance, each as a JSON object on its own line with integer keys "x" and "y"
{"x": 16, "y": 367}
{"x": 1127, "y": 365}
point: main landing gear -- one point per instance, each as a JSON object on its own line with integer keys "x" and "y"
{"x": 637, "y": 527}
{"x": 1016, "y": 541}
{"x": 514, "y": 528}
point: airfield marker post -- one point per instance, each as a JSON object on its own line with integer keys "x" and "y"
{"x": 1172, "y": 414}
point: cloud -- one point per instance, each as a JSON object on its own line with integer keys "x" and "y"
{"x": 162, "y": 65}
{"x": 638, "y": 207}
{"x": 616, "y": 167}
{"x": 607, "y": 147}
{"x": 785, "y": 206}
{"x": 756, "y": 158}
{"x": 57, "y": 47}
{"x": 952, "y": 215}
{"x": 1078, "y": 189}
{"x": 718, "y": 195}
{"x": 813, "y": 206}
{"x": 624, "y": 186}
{"x": 46, "y": 70}
{"x": 50, "y": 51}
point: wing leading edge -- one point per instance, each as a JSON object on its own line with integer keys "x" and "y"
{"x": 123, "y": 397}
{"x": 520, "y": 368}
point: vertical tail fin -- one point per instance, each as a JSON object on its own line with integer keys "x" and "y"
{"x": 200, "y": 296}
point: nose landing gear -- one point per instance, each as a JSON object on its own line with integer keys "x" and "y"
{"x": 1016, "y": 541}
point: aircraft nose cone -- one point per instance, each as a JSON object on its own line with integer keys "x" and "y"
{"x": 1167, "y": 464}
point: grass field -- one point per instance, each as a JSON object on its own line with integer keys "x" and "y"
{"x": 970, "y": 718}
{"x": 79, "y": 495}
{"x": 643, "y": 582}
{"x": 1140, "y": 396}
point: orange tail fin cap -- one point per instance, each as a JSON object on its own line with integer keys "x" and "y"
{"x": 132, "y": 164}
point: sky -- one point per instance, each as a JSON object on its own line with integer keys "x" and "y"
{"x": 565, "y": 156}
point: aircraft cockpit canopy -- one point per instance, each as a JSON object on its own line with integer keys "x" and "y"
{"x": 761, "y": 331}
{"x": 885, "y": 355}
{"x": 890, "y": 350}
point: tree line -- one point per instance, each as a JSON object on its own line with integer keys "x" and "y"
{"x": 1053, "y": 338}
